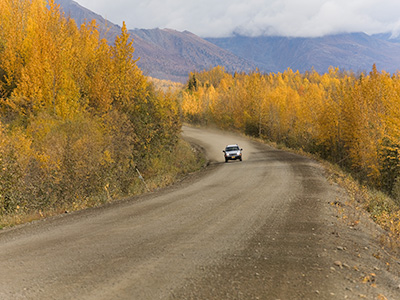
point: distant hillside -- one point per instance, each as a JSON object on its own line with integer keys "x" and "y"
{"x": 165, "y": 53}
{"x": 170, "y": 54}
{"x": 81, "y": 14}
{"x": 354, "y": 51}
{"x": 387, "y": 37}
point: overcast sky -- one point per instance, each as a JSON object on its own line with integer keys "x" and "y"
{"x": 219, "y": 18}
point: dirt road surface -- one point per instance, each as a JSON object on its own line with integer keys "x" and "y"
{"x": 263, "y": 228}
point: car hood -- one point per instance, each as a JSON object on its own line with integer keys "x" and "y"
{"x": 233, "y": 152}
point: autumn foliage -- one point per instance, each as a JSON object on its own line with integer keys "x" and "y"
{"x": 351, "y": 120}
{"x": 77, "y": 116}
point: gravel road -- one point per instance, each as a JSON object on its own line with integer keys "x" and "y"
{"x": 263, "y": 228}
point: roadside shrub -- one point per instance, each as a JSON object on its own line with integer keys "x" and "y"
{"x": 396, "y": 191}
{"x": 15, "y": 154}
{"x": 378, "y": 204}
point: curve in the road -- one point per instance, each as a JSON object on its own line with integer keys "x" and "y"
{"x": 160, "y": 245}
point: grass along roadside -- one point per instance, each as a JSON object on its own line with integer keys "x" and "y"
{"x": 381, "y": 208}
{"x": 163, "y": 171}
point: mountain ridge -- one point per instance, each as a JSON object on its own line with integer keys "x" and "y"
{"x": 164, "y": 53}
{"x": 172, "y": 55}
{"x": 350, "y": 51}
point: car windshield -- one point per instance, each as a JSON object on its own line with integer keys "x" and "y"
{"x": 232, "y": 148}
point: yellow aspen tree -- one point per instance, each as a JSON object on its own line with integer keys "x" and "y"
{"x": 362, "y": 130}
{"x": 277, "y": 121}
{"x": 13, "y": 18}
{"x": 46, "y": 78}
{"x": 374, "y": 127}
{"x": 223, "y": 101}
{"x": 212, "y": 77}
{"x": 223, "y": 88}
{"x": 390, "y": 148}
{"x": 93, "y": 68}
{"x": 237, "y": 103}
{"x": 64, "y": 92}
{"x": 354, "y": 111}
{"x": 254, "y": 108}
{"x": 330, "y": 119}
{"x": 127, "y": 79}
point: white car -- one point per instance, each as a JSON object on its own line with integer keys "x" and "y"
{"x": 232, "y": 152}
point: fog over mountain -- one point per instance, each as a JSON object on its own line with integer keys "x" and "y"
{"x": 223, "y": 18}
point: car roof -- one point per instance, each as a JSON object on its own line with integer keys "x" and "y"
{"x": 234, "y": 145}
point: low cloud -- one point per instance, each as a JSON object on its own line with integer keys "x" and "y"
{"x": 210, "y": 18}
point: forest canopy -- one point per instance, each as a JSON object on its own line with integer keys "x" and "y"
{"x": 77, "y": 116}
